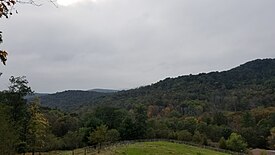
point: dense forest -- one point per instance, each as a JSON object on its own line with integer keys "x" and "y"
{"x": 242, "y": 88}
{"x": 233, "y": 110}
{"x": 69, "y": 100}
{"x": 66, "y": 100}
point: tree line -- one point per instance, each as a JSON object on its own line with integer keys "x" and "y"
{"x": 28, "y": 127}
{"x": 232, "y": 110}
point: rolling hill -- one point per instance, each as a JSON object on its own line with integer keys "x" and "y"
{"x": 245, "y": 87}
{"x": 206, "y": 106}
{"x": 68, "y": 100}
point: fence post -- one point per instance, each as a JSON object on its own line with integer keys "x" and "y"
{"x": 85, "y": 151}
{"x": 72, "y": 152}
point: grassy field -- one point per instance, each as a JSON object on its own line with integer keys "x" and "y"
{"x": 163, "y": 148}
{"x": 143, "y": 148}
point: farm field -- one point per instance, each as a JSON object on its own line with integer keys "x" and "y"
{"x": 143, "y": 148}
{"x": 163, "y": 148}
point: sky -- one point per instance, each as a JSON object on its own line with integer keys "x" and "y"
{"x": 124, "y": 44}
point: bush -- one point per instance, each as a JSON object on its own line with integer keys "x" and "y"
{"x": 222, "y": 143}
{"x": 113, "y": 135}
{"x": 236, "y": 143}
{"x": 184, "y": 135}
{"x": 199, "y": 138}
{"x": 172, "y": 135}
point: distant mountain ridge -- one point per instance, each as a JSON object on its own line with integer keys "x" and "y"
{"x": 29, "y": 97}
{"x": 244, "y": 87}
{"x": 69, "y": 99}
{"x": 99, "y": 90}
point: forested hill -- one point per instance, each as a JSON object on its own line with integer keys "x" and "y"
{"x": 245, "y": 87}
{"x": 68, "y": 100}
{"x": 233, "y": 109}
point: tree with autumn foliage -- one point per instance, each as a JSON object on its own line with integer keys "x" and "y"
{"x": 6, "y": 9}
{"x": 37, "y": 128}
{"x": 3, "y": 54}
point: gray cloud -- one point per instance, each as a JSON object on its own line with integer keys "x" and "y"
{"x": 125, "y": 44}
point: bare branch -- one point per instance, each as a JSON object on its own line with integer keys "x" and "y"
{"x": 54, "y": 3}
{"x": 32, "y": 2}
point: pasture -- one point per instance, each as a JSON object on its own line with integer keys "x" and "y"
{"x": 163, "y": 148}
{"x": 142, "y": 148}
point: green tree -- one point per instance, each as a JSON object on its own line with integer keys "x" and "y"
{"x": 22, "y": 147}
{"x": 134, "y": 126}
{"x": 18, "y": 110}
{"x": 199, "y": 138}
{"x": 73, "y": 140}
{"x": 14, "y": 98}
{"x": 140, "y": 121}
{"x": 253, "y": 137}
{"x": 99, "y": 135}
{"x": 92, "y": 122}
{"x": 8, "y": 136}
{"x": 151, "y": 133}
{"x": 19, "y": 85}
{"x": 63, "y": 124}
{"x": 184, "y": 135}
{"x": 236, "y": 143}
{"x": 190, "y": 124}
{"x": 53, "y": 143}
{"x": 215, "y": 132}
{"x": 248, "y": 120}
{"x": 158, "y": 128}
{"x": 220, "y": 119}
{"x": 222, "y": 143}
{"x": 172, "y": 135}
{"x": 106, "y": 115}
{"x": 127, "y": 129}
{"x": 113, "y": 135}
{"x": 202, "y": 127}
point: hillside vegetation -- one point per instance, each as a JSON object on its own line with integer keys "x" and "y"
{"x": 245, "y": 87}
{"x": 232, "y": 110}
{"x": 68, "y": 100}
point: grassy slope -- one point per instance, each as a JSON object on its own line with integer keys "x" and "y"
{"x": 163, "y": 148}
{"x": 144, "y": 148}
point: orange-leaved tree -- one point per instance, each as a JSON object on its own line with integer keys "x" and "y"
{"x": 6, "y": 9}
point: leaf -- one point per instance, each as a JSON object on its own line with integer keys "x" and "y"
{"x": 3, "y": 56}
{"x": 13, "y": 2}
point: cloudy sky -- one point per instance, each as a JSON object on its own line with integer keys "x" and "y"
{"x": 124, "y": 44}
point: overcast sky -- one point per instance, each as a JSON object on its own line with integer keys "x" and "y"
{"x": 122, "y": 44}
